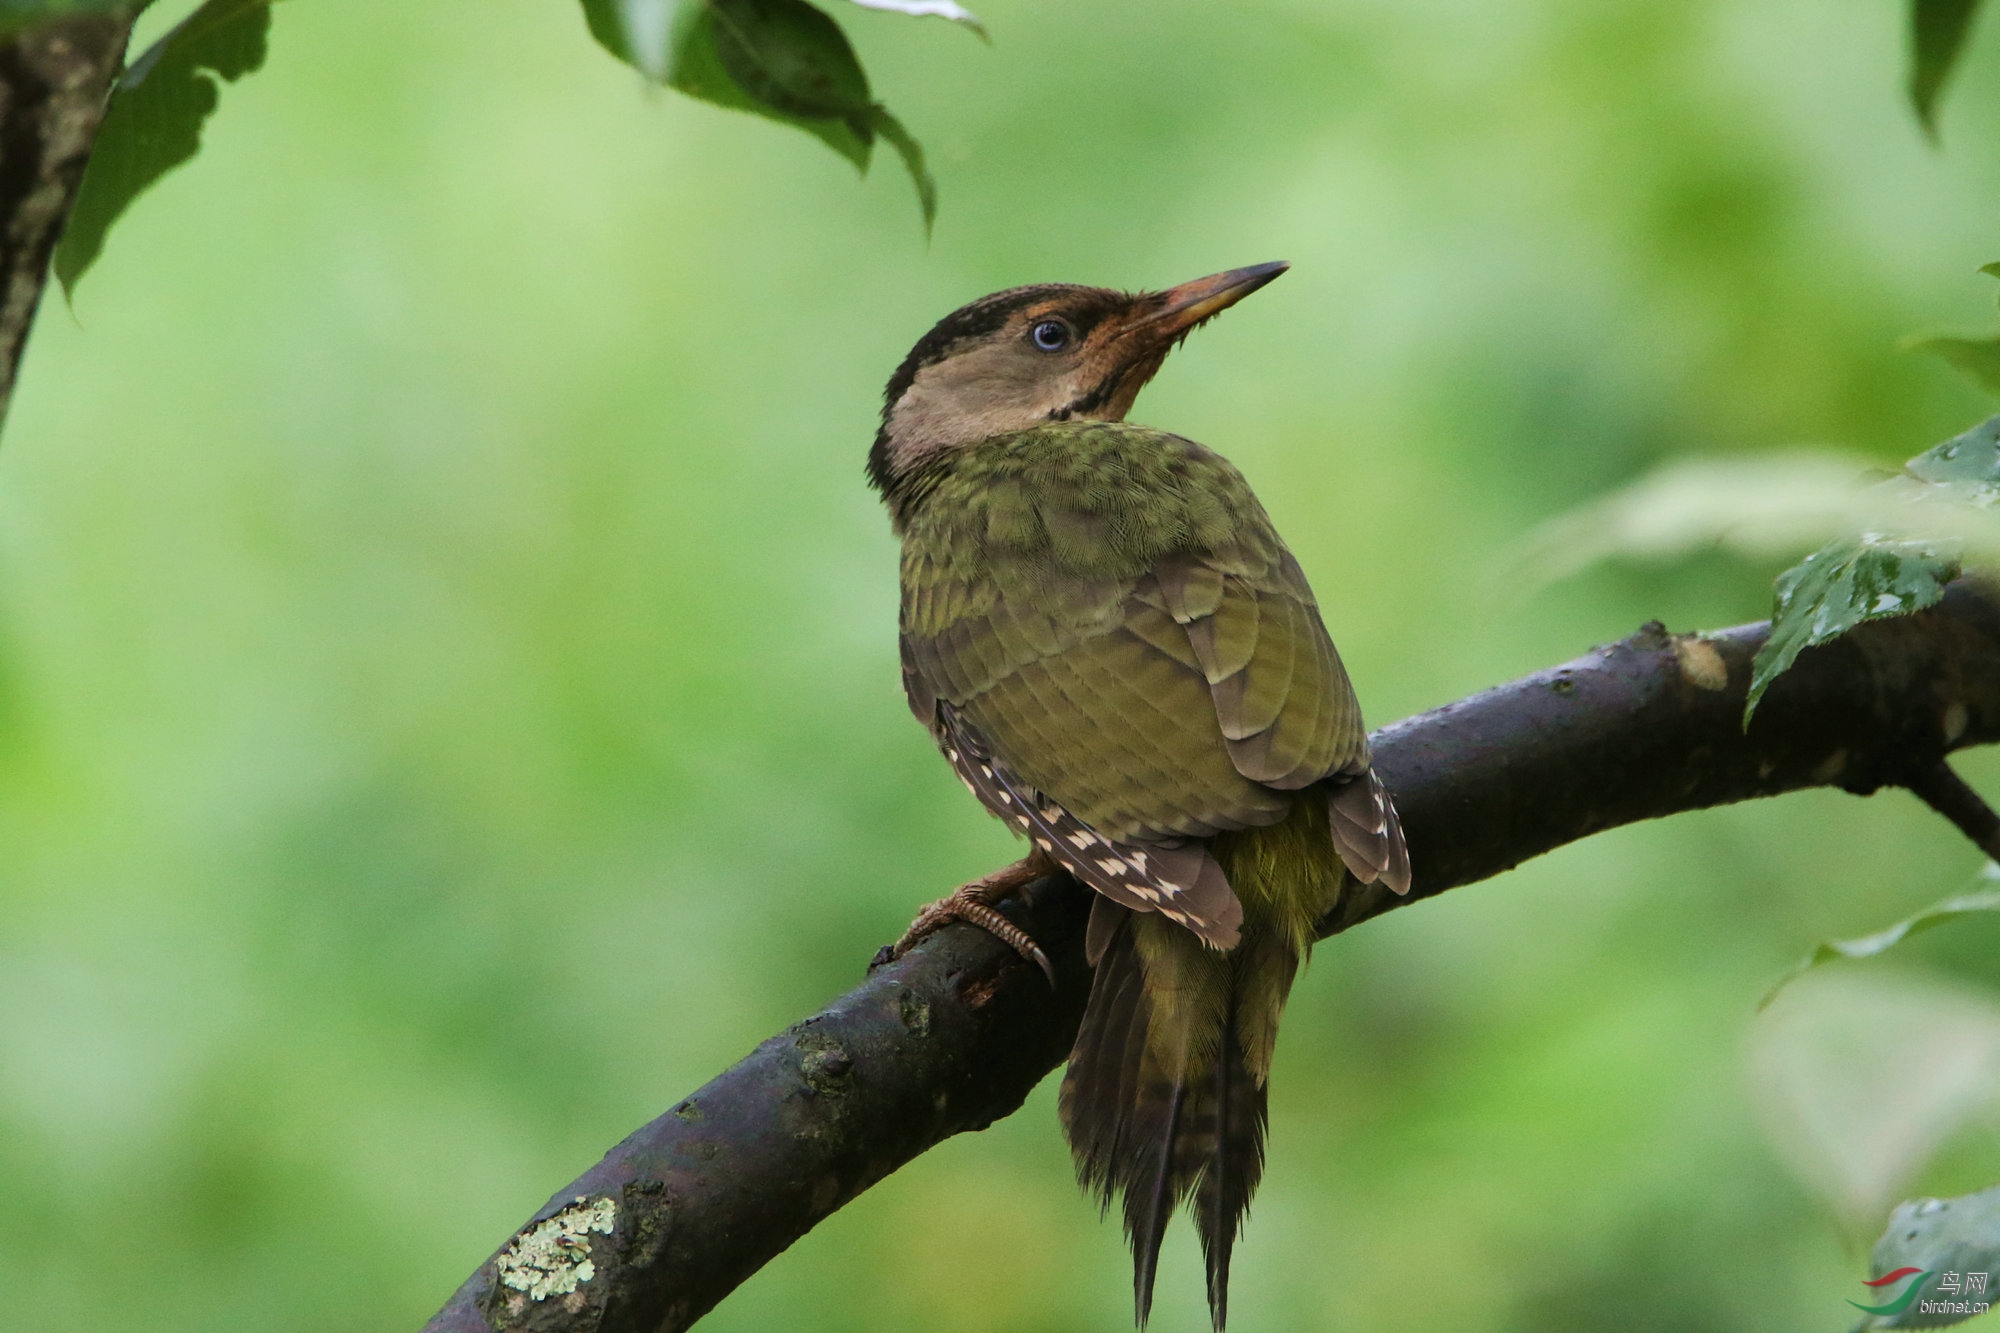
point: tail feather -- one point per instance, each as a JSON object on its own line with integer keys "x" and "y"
{"x": 1164, "y": 1102}
{"x": 1147, "y": 1213}
{"x": 1160, "y": 1103}
{"x": 1104, "y": 1073}
{"x": 1234, "y": 1167}
{"x": 1123, "y": 1119}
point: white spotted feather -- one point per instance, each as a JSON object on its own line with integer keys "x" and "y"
{"x": 1177, "y": 879}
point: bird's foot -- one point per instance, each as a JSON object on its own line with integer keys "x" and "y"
{"x": 973, "y": 903}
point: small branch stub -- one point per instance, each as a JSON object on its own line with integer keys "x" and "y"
{"x": 1943, "y": 790}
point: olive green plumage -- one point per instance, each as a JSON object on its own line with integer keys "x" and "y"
{"x": 1113, "y": 648}
{"x": 1107, "y": 611}
{"x": 1062, "y": 580}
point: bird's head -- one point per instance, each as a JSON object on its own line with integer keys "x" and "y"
{"x": 1031, "y": 355}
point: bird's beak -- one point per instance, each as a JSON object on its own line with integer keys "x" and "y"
{"x": 1180, "y": 308}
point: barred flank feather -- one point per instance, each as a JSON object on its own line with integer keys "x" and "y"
{"x": 1178, "y": 878}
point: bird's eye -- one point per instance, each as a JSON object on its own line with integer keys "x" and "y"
{"x": 1051, "y": 335}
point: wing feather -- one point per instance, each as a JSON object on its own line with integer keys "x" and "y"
{"x": 1148, "y": 621}
{"x": 1107, "y": 614}
{"x": 1190, "y": 587}
{"x": 1225, "y": 640}
{"x": 1367, "y": 832}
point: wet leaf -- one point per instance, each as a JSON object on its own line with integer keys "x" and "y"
{"x": 1868, "y": 946}
{"x": 696, "y": 68}
{"x": 1875, "y": 574}
{"x": 790, "y": 56}
{"x": 1968, "y": 464}
{"x": 1937, "y": 34}
{"x": 1847, "y": 582}
{"x": 1937, "y": 1263}
{"x": 154, "y": 121}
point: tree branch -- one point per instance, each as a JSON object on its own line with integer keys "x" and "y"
{"x": 954, "y": 1035}
{"x": 1944, "y": 791}
{"x": 54, "y": 81}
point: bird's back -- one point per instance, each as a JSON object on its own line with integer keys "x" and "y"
{"x": 1111, "y": 606}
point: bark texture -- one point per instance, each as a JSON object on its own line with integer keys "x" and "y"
{"x": 54, "y": 81}
{"x": 954, "y": 1035}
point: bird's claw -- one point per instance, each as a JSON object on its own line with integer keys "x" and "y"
{"x": 973, "y": 903}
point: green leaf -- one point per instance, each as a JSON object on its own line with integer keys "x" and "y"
{"x": 1944, "y": 1242}
{"x": 1968, "y": 464}
{"x": 697, "y": 69}
{"x": 912, "y": 154}
{"x": 1847, "y": 582}
{"x": 154, "y": 121}
{"x": 790, "y": 56}
{"x": 943, "y": 9}
{"x": 1867, "y": 946}
{"x": 1977, "y": 358}
{"x": 781, "y": 59}
{"x": 1951, "y": 488}
{"x": 638, "y": 32}
{"x": 1937, "y": 34}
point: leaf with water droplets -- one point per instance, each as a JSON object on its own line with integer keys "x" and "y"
{"x": 1875, "y": 574}
{"x": 1847, "y": 582}
{"x": 1968, "y": 464}
{"x": 1937, "y": 1264}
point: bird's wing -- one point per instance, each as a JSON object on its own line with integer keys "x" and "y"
{"x": 1152, "y": 694}
{"x": 1090, "y": 692}
{"x": 1282, "y": 698}
{"x": 1367, "y": 832}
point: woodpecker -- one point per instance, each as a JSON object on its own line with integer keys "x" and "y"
{"x": 1115, "y": 651}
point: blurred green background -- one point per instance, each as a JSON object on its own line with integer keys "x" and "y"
{"x": 448, "y": 692}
